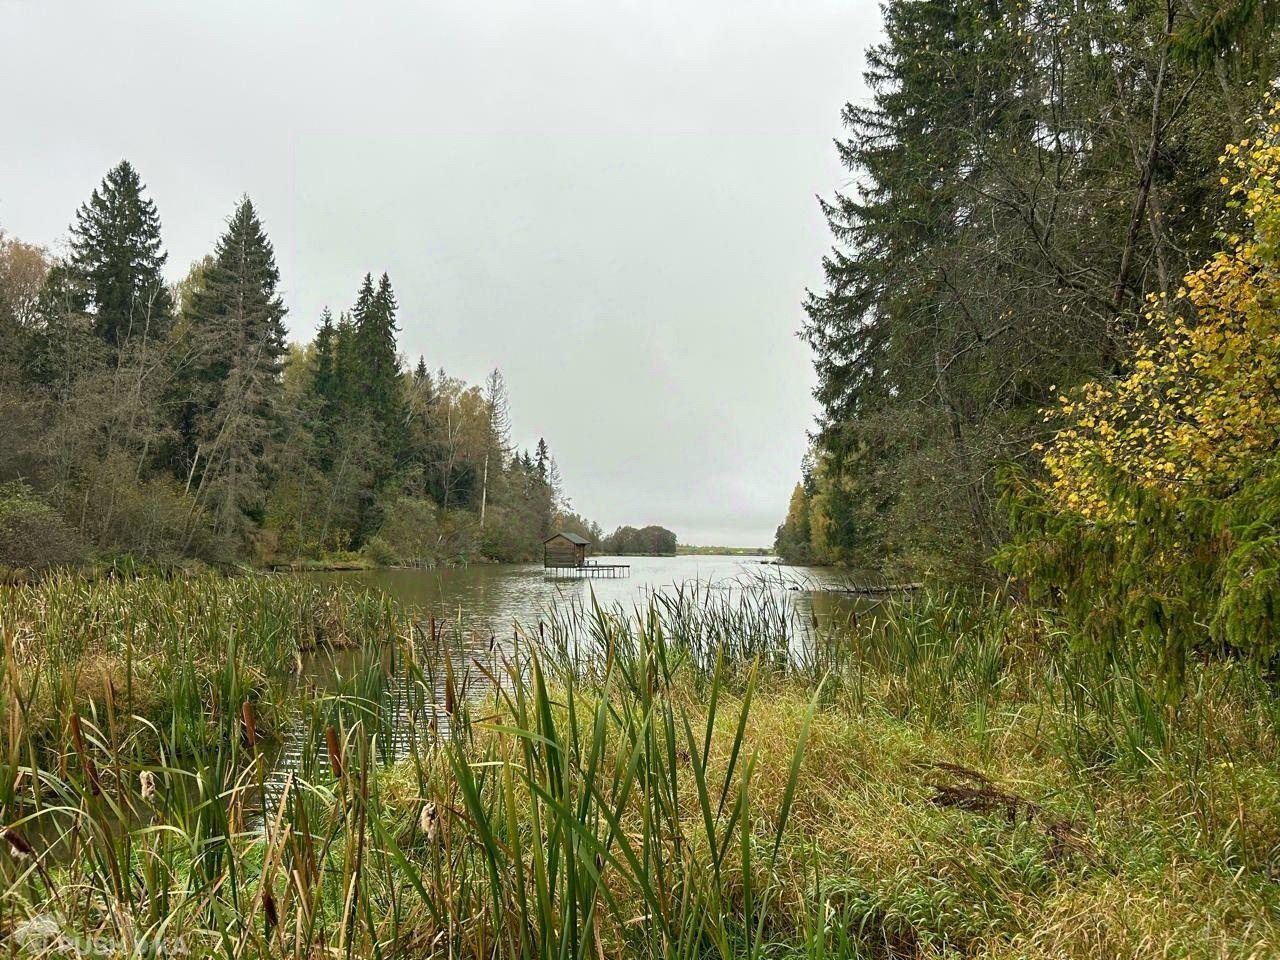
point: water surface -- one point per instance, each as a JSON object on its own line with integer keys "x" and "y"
{"x": 489, "y": 599}
{"x": 477, "y": 610}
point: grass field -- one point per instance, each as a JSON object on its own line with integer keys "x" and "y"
{"x": 702, "y": 777}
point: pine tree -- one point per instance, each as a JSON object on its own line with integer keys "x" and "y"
{"x": 911, "y": 349}
{"x": 236, "y": 324}
{"x": 373, "y": 396}
{"x": 117, "y": 255}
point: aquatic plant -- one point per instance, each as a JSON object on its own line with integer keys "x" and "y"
{"x": 709, "y": 773}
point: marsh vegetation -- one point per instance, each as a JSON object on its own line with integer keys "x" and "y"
{"x": 710, "y": 773}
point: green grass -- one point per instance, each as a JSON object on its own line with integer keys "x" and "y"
{"x": 708, "y": 775}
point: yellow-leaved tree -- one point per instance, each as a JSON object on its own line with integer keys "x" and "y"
{"x": 1157, "y": 512}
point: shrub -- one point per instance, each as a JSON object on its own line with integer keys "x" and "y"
{"x": 32, "y": 534}
{"x": 410, "y": 534}
{"x": 380, "y": 553}
{"x": 1157, "y": 515}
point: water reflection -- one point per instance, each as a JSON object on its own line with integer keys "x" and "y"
{"x": 490, "y": 599}
{"x": 470, "y": 620}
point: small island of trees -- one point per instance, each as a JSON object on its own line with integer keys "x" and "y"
{"x": 643, "y": 541}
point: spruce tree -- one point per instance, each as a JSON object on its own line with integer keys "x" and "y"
{"x": 236, "y": 324}
{"x": 373, "y": 392}
{"x": 541, "y": 459}
{"x": 117, "y": 256}
{"x": 346, "y": 373}
{"x": 325, "y": 379}
{"x": 372, "y": 371}
{"x": 375, "y": 343}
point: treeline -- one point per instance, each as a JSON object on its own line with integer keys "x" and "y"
{"x": 176, "y": 421}
{"x": 632, "y": 541}
{"x": 1027, "y": 174}
{"x": 689, "y": 550}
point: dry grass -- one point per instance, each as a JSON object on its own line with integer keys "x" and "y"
{"x": 936, "y": 785}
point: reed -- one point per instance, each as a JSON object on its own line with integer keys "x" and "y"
{"x": 265, "y": 767}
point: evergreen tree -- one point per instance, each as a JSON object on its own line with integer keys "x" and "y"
{"x": 117, "y": 256}
{"x": 377, "y": 362}
{"x": 325, "y": 379}
{"x": 1024, "y": 173}
{"x": 346, "y": 373}
{"x": 498, "y": 439}
{"x": 324, "y": 390}
{"x": 373, "y": 399}
{"x": 236, "y": 323}
{"x": 419, "y": 453}
{"x": 542, "y": 459}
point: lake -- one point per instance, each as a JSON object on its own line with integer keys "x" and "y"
{"x": 475, "y": 610}
{"x": 489, "y": 598}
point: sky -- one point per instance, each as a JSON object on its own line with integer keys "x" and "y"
{"x": 612, "y": 202}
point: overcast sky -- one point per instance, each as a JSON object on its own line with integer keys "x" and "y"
{"x": 613, "y": 202}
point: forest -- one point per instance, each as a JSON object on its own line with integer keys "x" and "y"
{"x": 1028, "y": 180}
{"x": 176, "y": 422}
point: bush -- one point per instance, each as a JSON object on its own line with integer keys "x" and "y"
{"x": 32, "y": 534}
{"x": 151, "y": 519}
{"x": 380, "y": 553}
{"x": 1156, "y": 514}
{"x": 510, "y": 535}
{"x": 410, "y": 534}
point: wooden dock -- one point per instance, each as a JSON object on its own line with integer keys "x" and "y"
{"x": 579, "y": 571}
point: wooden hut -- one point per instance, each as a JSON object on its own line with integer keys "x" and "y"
{"x": 565, "y": 550}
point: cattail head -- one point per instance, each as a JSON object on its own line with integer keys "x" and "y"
{"x": 271, "y": 915}
{"x": 250, "y": 725}
{"x": 147, "y": 785}
{"x": 18, "y": 846}
{"x": 429, "y": 821}
{"x": 335, "y": 751}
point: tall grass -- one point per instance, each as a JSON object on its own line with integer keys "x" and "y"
{"x": 261, "y": 767}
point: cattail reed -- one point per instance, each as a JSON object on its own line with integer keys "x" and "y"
{"x": 19, "y": 848}
{"x": 335, "y": 751}
{"x": 627, "y": 789}
{"x": 250, "y": 726}
{"x": 86, "y": 761}
{"x": 271, "y": 916}
{"x": 428, "y": 821}
{"x": 449, "y": 703}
